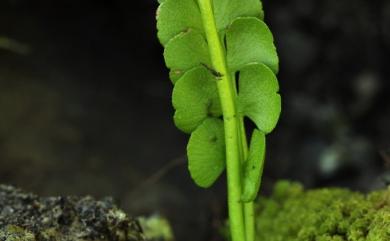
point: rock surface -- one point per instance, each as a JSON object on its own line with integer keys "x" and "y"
{"x": 27, "y": 217}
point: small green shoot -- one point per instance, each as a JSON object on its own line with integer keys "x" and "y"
{"x": 223, "y": 63}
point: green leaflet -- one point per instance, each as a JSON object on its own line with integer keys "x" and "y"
{"x": 175, "y": 75}
{"x": 176, "y": 16}
{"x": 180, "y": 29}
{"x": 250, "y": 40}
{"x": 206, "y": 152}
{"x": 180, "y": 54}
{"x": 250, "y": 52}
{"x": 253, "y": 167}
{"x": 195, "y": 98}
{"x": 226, "y": 11}
{"x": 258, "y": 98}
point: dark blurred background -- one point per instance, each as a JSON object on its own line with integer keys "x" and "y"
{"x": 85, "y": 104}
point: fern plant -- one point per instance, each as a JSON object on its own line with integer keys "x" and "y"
{"x": 222, "y": 63}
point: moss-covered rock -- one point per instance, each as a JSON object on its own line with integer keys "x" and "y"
{"x": 331, "y": 214}
{"x": 27, "y": 217}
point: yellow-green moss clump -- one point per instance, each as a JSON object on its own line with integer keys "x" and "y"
{"x": 332, "y": 214}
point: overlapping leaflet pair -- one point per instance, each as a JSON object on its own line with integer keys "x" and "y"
{"x": 250, "y": 56}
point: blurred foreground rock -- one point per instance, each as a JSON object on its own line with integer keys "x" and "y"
{"x": 27, "y": 217}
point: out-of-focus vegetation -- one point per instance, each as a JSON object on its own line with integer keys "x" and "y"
{"x": 329, "y": 214}
{"x": 156, "y": 227}
{"x": 13, "y": 45}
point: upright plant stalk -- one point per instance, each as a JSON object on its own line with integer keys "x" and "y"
{"x": 226, "y": 92}
{"x": 249, "y": 210}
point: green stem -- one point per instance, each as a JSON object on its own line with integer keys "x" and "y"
{"x": 250, "y": 225}
{"x": 249, "y": 210}
{"x": 226, "y": 93}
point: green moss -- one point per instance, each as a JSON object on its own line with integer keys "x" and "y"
{"x": 15, "y": 233}
{"x": 332, "y": 214}
{"x": 156, "y": 228}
